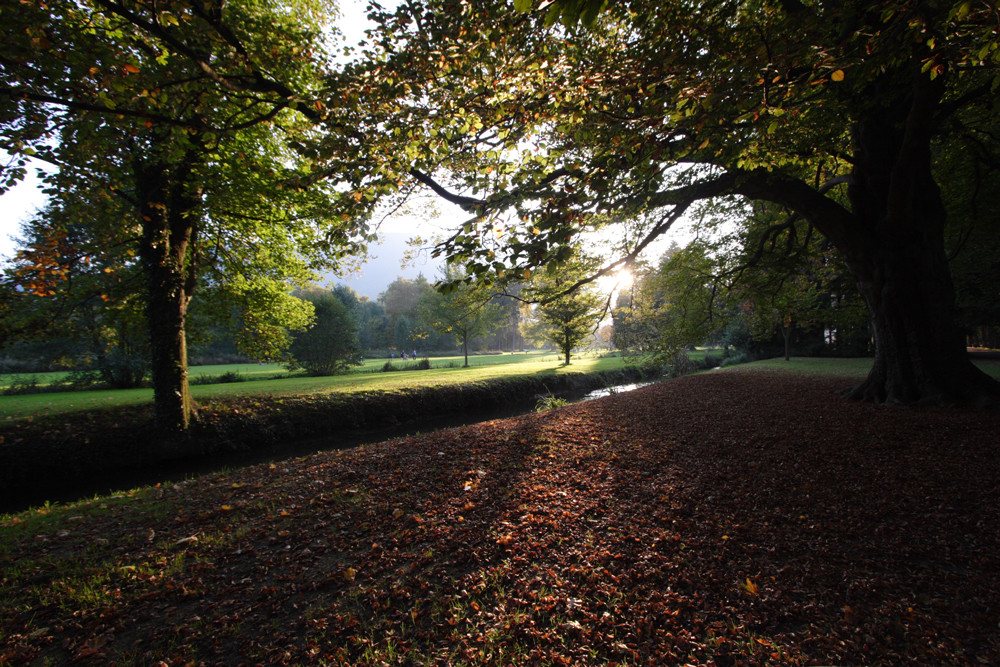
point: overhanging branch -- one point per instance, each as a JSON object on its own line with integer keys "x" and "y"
{"x": 470, "y": 204}
{"x": 497, "y": 201}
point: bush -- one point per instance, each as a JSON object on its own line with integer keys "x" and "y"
{"x": 550, "y": 402}
{"x": 709, "y": 361}
{"x": 738, "y": 358}
{"x": 82, "y": 380}
{"x": 222, "y": 378}
{"x": 682, "y": 365}
{"x": 21, "y": 386}
{"x": 422, "y": 365}
{"x": 330, "y": 346}
{"x": 122, "y": 370}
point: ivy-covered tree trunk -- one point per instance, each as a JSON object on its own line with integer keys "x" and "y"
{"x": 900, "y": 263}
{"x": 168, "y": 209}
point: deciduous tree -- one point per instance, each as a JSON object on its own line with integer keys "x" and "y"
{"x": 835, "y": 111}
{"x": 461, "y": 309}
{"x": 185, "y": 112}
{"x": 330, "y": 344}
{"x": 567, "y": 316}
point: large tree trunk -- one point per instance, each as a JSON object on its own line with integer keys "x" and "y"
{"x": 920, "y": 353}
{"x": 892, "y": 239}
{"x": 168, "y": 209}
{"x": 900, "y": 263}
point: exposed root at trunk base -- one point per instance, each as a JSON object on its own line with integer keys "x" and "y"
{"x": 970, "y": 387}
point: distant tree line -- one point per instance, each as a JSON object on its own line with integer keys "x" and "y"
{"x": 102, "y": 338}
{"x": 762, "y": 293}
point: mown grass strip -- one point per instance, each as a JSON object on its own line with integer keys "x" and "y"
{"x": 838, "y": 367}
{"x": 444, "y": 370}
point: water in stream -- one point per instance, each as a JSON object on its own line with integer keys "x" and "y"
{"x": 173, "y": 471}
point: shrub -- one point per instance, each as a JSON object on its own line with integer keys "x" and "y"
{"x": 738, "y": 358}
{"x": 682, "y": 365}
{"x": 82, "y": 379}
{"x": 709, "y": 361}
{"x": 122, "y": 370}
{"x": 330, "y": 346}
{"x": 20, "y": 386}
{"x": 550, "y": 402}
{"x": 222, "y": 378}
{"x": 422, "y": 365}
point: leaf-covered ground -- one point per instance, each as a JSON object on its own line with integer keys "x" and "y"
{"x": 728, "y": 518}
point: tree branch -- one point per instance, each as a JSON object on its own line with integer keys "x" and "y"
{"x": 470, "y": 204}
{"x": 833, "y": 220}
{"x": 14, "y": 93}
{"x": 659, "y": 229}
{"x": 476, "y": 205}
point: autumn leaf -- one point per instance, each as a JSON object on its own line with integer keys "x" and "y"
{"x": 749, "y": 587}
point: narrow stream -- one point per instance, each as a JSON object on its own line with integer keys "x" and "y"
{"x": 611, "y": 391}
{"x": 174, "y": 471}
{"x": 351, "y": 439}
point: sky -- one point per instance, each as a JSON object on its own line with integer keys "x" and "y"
{"x": 16, "y": 205}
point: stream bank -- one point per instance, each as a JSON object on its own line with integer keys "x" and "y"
{"x": 60, "y": 458}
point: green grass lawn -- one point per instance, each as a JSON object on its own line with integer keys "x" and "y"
{"x": 248, "y": 371}
{"x": 255, "y": 371}
{"x": 856, "y": 367}
{"x": 848, "y": 368}
{"x": 444, "y": 370}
